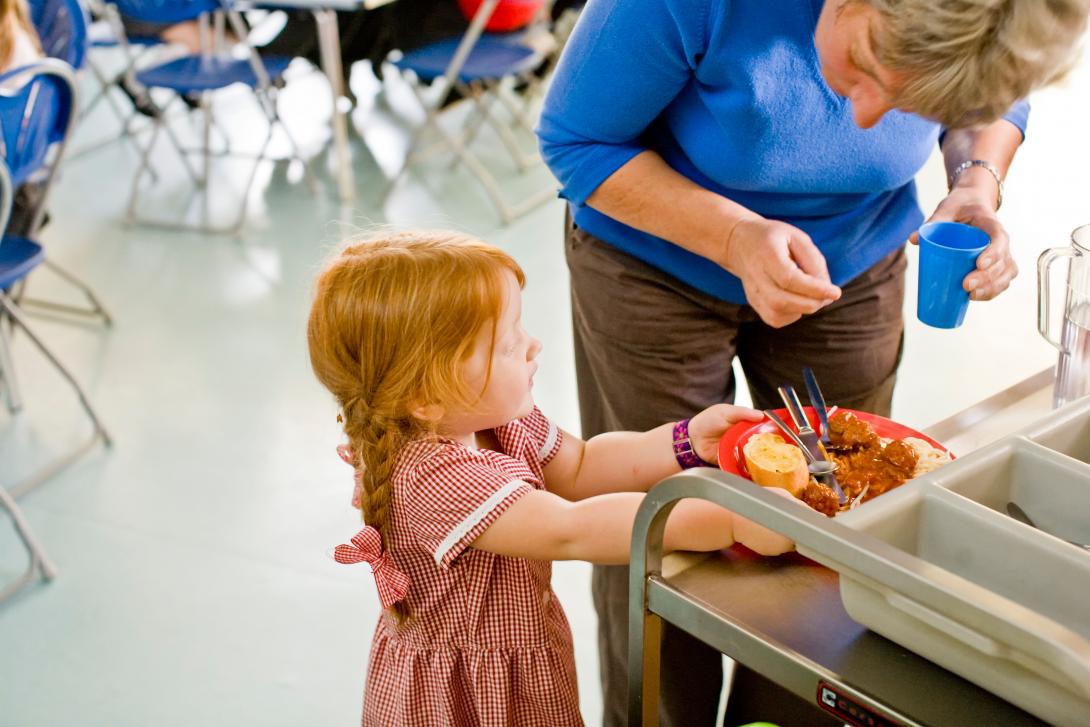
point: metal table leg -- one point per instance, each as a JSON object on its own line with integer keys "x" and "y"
{"x": 329, "y": 43}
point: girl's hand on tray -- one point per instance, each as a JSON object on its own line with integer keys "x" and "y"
{"x": 707, "y": 427}
{"x": 760, "y": 539}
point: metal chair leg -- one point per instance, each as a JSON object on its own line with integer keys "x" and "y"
{"x": 7, "y": 371}
{"x": 206, "y": 141}
{"x": 98, "y": 432}
{"x": 296, "y": 153}
{"x": 472, "y": 127}
{"x": 456, "y": 143}
{"x": 522, "y": 160}
{"x": 38, "y": 560}
{"x": 250, "y": 183}
{"x": 104, "y": 95}
{"x": 134, "y": 192}
{"x": 97, "y": 310}
{"x": 131, "y": 216}
{"x": 12, "y": 311}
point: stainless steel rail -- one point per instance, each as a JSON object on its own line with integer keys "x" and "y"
{"x": 783, "y": 616}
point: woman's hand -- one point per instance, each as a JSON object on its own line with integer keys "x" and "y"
{"x": 995, "y": 268}
{"x": 782, "y": 271}
{"x": 707, "y": 427}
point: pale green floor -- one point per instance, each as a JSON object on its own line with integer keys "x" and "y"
{"x": 195, "y": 585}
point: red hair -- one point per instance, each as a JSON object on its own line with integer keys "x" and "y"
{"x": 393, "y": 320}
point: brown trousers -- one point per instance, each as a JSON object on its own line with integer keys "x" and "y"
{"x": 648, "y": 349}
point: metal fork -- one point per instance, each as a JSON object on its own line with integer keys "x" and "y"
{"x": 810, "y": 439}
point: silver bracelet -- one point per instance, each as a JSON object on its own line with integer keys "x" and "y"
{"x": 985, "y": 165}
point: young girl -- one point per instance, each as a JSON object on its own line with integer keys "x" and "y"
{"x": 469, "y": 491}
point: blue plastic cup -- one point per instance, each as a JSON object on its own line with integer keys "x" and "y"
{"x": 948, "y": 252}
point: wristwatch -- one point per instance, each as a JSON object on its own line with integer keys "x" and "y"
{"x": 970, "y": 163}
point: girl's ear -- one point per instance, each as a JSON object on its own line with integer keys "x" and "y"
{"x": 427, "y": 412}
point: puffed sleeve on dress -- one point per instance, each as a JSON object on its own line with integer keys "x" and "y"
{"x": 455, "y": 496}
{"x": 544, "y": 434}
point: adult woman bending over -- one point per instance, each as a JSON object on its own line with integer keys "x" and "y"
{"x": 740, "y": 183}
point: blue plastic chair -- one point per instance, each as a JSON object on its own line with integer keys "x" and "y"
{"x": 35, "y": 122}
{"x": 197, "y": 75}
{"x": 477, "y": 65}
{"x": 62, "y": 29}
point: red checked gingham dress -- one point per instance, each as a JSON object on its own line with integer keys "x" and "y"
{"x": 486, "y": 642}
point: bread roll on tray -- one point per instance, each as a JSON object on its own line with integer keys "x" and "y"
{"x": 772, "y": 462}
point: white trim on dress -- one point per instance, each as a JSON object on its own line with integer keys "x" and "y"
{"x": 475, "y": 517}
{"x": 550, "y": 440}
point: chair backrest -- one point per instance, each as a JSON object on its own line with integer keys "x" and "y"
{"x": 62, "y": 29}
{"x": 36, "y": 120}
{"x": 166, "y": 11}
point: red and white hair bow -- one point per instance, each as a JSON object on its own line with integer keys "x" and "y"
{"x": 366, "y": 547}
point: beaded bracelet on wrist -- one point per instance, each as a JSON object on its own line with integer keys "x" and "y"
{"x": 684, "y": 451}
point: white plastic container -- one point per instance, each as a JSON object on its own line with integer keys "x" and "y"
{"x": 1003, "y": 604}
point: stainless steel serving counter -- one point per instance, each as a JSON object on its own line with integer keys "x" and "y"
{"x": 783, "y": 617}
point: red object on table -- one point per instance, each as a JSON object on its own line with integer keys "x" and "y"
{"x": 509, "y": 14}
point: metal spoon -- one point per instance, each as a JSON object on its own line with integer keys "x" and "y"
{"x": 1020, "y": 515}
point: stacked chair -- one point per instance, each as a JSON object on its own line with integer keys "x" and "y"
{"x": 36, "y": 121}
{"x": 196, "y": 76}
{"x": 482, "y": 67}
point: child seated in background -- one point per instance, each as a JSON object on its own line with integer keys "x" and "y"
{"x": 18, "y": 42}
{"x": 469, "y": 491}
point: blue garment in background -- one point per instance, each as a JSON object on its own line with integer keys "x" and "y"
{"x": 730, "y": 94}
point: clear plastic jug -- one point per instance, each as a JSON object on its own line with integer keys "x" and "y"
{"x": 1073, "y": 366}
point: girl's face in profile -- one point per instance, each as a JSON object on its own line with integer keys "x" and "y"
{"x": 507, "y": 394}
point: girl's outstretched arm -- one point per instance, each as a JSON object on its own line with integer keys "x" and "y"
{"x": 634, "y": 461}
{"x": 544, "y": 526}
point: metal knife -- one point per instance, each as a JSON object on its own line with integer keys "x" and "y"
{"x": 810, "y": 439}
{"x": 818, "y": 402}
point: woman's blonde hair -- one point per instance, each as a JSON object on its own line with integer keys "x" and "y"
{"x": 966, "y": 61}
{"x": 14, "y": 17}
{"x": 393, "y": 320}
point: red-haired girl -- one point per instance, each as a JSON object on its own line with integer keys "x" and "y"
{"x": 469, "y": 491}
